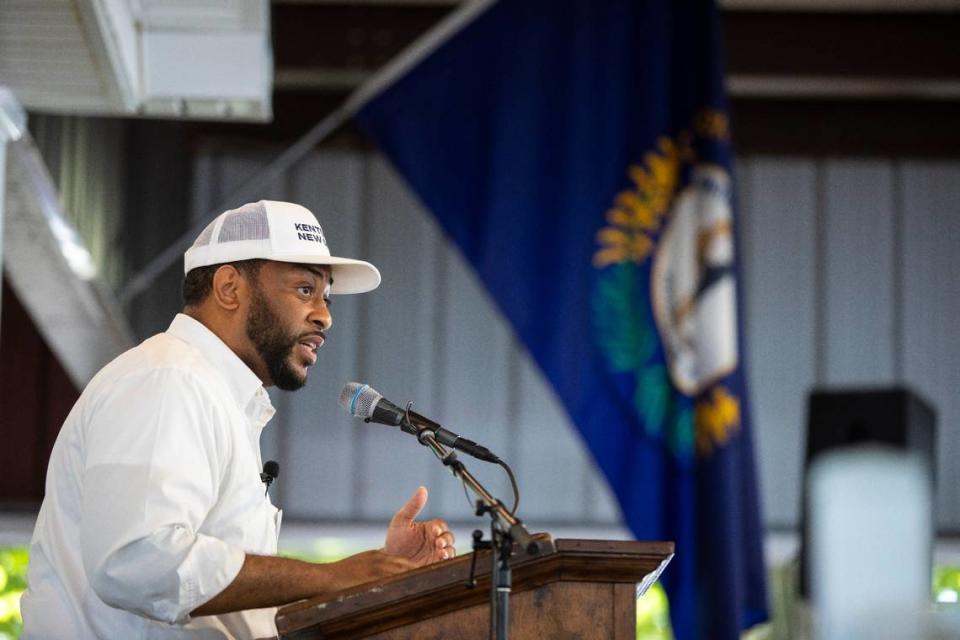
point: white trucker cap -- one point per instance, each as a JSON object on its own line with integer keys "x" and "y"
{"x": 280, "y": 231}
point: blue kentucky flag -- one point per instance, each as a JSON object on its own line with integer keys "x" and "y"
{"x": 578, "y": 153}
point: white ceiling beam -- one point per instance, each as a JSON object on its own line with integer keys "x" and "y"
{"x": 843, "y": 6}
{"x": 739, "y": 85}
{"x": 842, "y": 87}
{"x": 905, "y": 6}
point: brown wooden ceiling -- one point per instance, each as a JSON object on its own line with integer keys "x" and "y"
{"x": 322, "y": 50}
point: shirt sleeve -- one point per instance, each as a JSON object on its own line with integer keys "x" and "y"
{"x": 154, "y": 449}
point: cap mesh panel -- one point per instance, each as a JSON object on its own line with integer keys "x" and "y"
{"x": 205, "y": 235}
{"x": 249, "y": 222}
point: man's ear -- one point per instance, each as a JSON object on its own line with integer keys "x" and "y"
{"x": 229, "y": 287}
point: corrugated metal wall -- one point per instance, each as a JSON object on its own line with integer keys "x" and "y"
{"x": 849, "y": 276}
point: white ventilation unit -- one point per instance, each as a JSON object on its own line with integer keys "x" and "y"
{"x": 206, "y": 59}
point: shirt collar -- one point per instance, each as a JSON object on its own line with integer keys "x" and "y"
{"x": 246, "y": 387}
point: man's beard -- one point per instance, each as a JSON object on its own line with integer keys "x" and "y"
{"x": 265, "y": 331}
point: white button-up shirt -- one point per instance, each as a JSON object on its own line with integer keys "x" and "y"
{"x": 153, "y": 497}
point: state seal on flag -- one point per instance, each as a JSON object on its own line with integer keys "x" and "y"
{"x": 693, "y": 286}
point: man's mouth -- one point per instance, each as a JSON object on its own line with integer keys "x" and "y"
{"x": 309, "y": 346}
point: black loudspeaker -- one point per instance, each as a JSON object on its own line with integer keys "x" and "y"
{"x": 895, "y": 417}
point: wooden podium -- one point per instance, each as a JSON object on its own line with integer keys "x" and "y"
{"x": 574, "y": 589}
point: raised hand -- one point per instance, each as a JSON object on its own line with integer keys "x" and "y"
{"x": 420, "y": 542}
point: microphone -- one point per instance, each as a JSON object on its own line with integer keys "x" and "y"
{"x": 362, "y": 401}
{"x": 271, "y": 471}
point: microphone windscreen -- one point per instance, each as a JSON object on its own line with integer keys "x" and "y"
{"x": 347, "y": 394}
{"x": 272, "y": 468}
{"x": 359, "y": 399}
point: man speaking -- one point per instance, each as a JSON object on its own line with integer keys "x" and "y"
{"x": 155, "y": 522}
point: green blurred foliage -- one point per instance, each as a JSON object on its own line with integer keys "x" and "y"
{"x": 321, "y": 550}
{"x": 946, "y": 584}
{"x": 653, "y": 615}
{"x": 13, "y": 582}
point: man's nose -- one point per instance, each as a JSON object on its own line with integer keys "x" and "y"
{"x": 321, "y": 316}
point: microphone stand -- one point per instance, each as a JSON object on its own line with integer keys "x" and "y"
{"x": 505, "y": 529}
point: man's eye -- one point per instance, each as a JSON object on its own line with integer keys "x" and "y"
{"x": 305, "y": 290}
{"x": 327, "y": 301}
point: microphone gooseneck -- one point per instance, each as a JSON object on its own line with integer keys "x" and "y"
{"x": 363, "y": 401}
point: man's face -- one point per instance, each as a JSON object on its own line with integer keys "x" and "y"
{"x": 287, "y": 319}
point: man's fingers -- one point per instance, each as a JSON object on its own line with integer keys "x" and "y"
{"x": 444, "y": 545}
{"x": 409, "y": 512}
{"x": 443, "y": 539}
{"x": 437, "y": 527}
